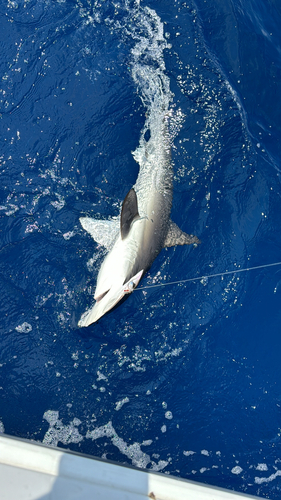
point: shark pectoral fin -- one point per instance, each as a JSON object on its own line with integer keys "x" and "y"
{"x": 86, "y": 319}
{"x": 176, "y": 236}
{"x": 129, "y": 212}
{"x": 104, "y": 232}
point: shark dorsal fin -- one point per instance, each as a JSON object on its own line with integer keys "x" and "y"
{"x": 129, "y": 212}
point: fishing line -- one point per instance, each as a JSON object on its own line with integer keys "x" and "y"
{"x": 211, "y": 275}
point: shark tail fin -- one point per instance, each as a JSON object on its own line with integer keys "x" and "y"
{"x": 175, "y": 236}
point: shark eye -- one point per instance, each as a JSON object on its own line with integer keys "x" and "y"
{"x": 101, "y": 296}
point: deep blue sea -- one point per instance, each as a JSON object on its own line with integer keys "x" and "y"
{"x": 183, "y": 378}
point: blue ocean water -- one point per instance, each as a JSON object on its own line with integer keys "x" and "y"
{"x": 183, "y": 379}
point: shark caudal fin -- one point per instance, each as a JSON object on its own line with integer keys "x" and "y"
{"x": 175, "y": 236}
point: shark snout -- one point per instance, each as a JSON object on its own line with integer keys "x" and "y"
{"x": 133, "y": 282}
{"x": 107, "y": 300}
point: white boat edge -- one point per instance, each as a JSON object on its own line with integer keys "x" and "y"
{"x": 32, "y": 471}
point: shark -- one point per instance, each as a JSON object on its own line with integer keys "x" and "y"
{"x": 144, "y": 228}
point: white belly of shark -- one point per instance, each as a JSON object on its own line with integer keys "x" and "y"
{"x": 144, "y": 228}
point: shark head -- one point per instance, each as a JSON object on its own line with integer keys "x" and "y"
{"x": 109, "y": 298}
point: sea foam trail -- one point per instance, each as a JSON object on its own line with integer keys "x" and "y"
{"x": 148, "y": 71}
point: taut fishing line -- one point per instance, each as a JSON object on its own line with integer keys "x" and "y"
{"x": 205, "y": 277}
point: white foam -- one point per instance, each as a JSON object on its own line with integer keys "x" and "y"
{"x": 24, "y": 328}
{"x": 119, "y": 404}
{"x": 261, "y": 480}
{"x": 169, "y": 415}
{"x": 68, "y": 235}
{"x": 236, "y": 470}
{"x": 100, "y": 376}
{"x": 205, "y": 452}
{"x": 133, "y": 451}
{"x": 148, "y": 442}
{"x": 262, "y": 467}
{"x": 188, "y": 453}
{"x": 60, "y": 433}
{"x": 203, "y": 469}
{"x": 59, "y": 203}
{"x": 69, "y": 433}
{"x": 149, "y": 74}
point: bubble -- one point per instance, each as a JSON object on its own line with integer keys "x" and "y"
{"x": 236, "y": 470}
{"x": 169, "y": 415}
{"x": 24, "y": 328}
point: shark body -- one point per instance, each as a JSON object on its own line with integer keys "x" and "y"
{"x": 144, "y": 228}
